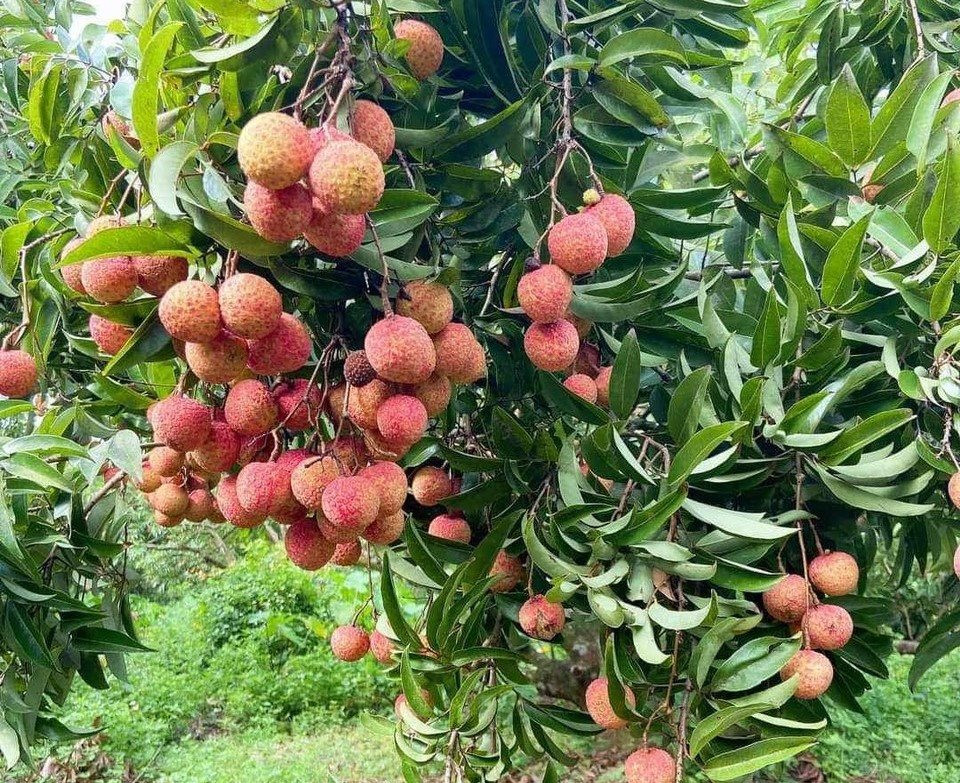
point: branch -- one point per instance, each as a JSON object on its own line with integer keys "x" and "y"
{"x": 917, "y": 30}
{"x": 101, "y": 493}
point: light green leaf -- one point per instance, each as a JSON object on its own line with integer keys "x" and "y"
{"x": 146, "y": 90}
{"x": 942, "y": 218}
{"x": 847, "y": 118}
{"x": 843, "y": 261}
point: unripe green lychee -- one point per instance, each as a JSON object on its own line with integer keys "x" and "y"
{"x": 386, "y": 528}
{"x": 541, "y": 618}
{"x": 350, "y": 502}
{"x": 349, "y": 643}
{"x": 306, "y": 547}
{"x": 158, "y": 274}
{"x": 249, "y": 305}
{"x": 109, "y": 337}
{"x": 400, "y": 350}
{"x": 402, "y": 419}
{"x": 450, "y": 528}
{"x": 72, "y": 274}
{"x": 508, "y": 570}
{"x": 390, "y": 482}
{"x": 364, "y": 403}
{"x": 335, "y": 234}
{"x": 170, "y": 499}
{"x": 109, "y": 280}
{"x": 788, "y": 599}
{"x": 553, "y": 346}
{"x": 545, "y": 293}
{"x": 618, "y": 219}
{"x": 357, "y": 370}
{"x": 202, "y": 505}
{"x": 232, "y": 509}
{"x": 434, "y": 393}
{"x": 603, "y": 385}
{"x": 274, "y": 150}
{"x": 219, "y": 451}
{"x": 428, "y": 303}
{"x": 834, "y": 573}
{"x": 814, "y": 672}
{"x": 430, "y": 485}
{"x": 278, "y": 215}
{"x": 827, "y": 627}
{"x": 460, "y": 356}
{"x": 165, "y": 461}
{"x": 286, "y": 349}
{"x": 426, "y": 47}
{"x": 347, "y": 177}
{"x": 381, "y": 647}
{"x": 249, "y": 408}
{"x": 298, "y": 401}
{"x": 650, "y": 765}
{"x": 347, "y": 554}
{"x": 371, "y": 125}
{"x": 598, "y": 704}
{"x": 190, "y": 311}
{"x": 578, "y": 243}
{"x": 221, "y": 360}
{"x": 311, "y": 477}
{"x": 583, "y": 386}
{"x": 180, "y": 422}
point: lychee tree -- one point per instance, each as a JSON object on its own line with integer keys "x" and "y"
{"x": 626, "y": 320}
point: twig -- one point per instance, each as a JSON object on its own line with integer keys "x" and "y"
{"x": 682, "y": 729}
{"x": 97, "y": 496}
{"x": 385, "y": 283}
{"x": 493, "y": 282}
{"x": 917, "y": 30}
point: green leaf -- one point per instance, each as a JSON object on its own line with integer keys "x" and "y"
{"x": 921, "y": 124}
{"x": 146, "y": 90}
{"x": 754, "y": 662}
{"x": 942, "y": 218}
{"x": 647, "y": 44}
{"x": 625, "y": 376}
{"x": 942, "y": 295}
{"x": 893, "y": 119}
{"x": 766, "y": 337}
{"x": 683, "y": 413}
{"x": 810, "y": 150}
{"x": 164, "y": 174}
{"x": 843, "y": 261}
{"x": 737, "y": 523}
{"x": 477, "y": 140}
{"x": 861, "y": 435}
{"x": 391, "y": 606}
{"x": 126, "y": 241}
{"x": 104, "y": 641}
{"x": 716, "y": 723}
{"x": 699, "y": 447}
{"x": 34, "y": 469}
{"x": 859, "y": 497}
{"x": 847, "y": 118}
{"x": 737, "y": 763}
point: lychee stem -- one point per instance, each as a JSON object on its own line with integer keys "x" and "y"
{"x": 385, "y": 283}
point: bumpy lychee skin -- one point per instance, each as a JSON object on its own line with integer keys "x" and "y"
{"x": 250, "y": 409}
{"x": 828, "y": 627}
{"x": 650, "y": 765}
{"x": 306, "y": 546}
{"x": 834, "y": 573}
{"x": 814, "y": 670}
{"x": 583, "y": 386}
{"x": 430, "y": 485}
{"x": 260, "y": 487}
{"x": 190, "y": 311}
{"x": 349, "y": 643}
{"x": 386, "y": 528}
{"x": 552, "y": 347}
{"x": 578, "y": 243}
{"x": 429, "y": 303}
{"x": 603, "y": 385}
{"x": 109, "y": 280}
{"x": 347, "y": 554}
{"x": 787, "y": 601}
{"x": 170, "y": 499}
{"x": 599, "y": 707}
{"x": 400, "y": 350}
{"x": 372, "y": 126}
{"x": 618, "y": 219}
{"x": 165, "y": 461}
{"x": 219, "y": 451}
{"x": 232, "y": 509}
{"x": 434, "y": 393}
{"x": 450, "y": 528}
{"x": 402, "y": 419}
{"x": 278, "y": 215}
{"x": 364, "y": 403}
{"x": 72, "y": 274}
{"x": 460, "y": 356}
{"x": 350, "y": 502}
{"x": 286, "y": 349}
{"x": 311, "y": 477}
{"x": 335, "y": 234}
{"x": 249, "y": 305}
{"x": 322, "y": 135}
{"x": 347, "y": 177}
{"x": 110, "y": 337}
{"x": 953, "y": 490}
{"x": 545, "y": 293}
{"x": 164, "y": 520}
{"x": 541, "y": 619}
{"x": 180, "y": 422}
{"x": 149, "y": 479}
{"x": 158, "y": 274}
{"x": 334, "y": 534}
{"x": 426, "y": 47}
{"x": 508, "y": 570}
{"x": 390, "y": 482}
{"x": 357, "y": 369}
{"x": 274, "y": 150}
{"x": 299, "y": 402}
{"x": 202, "y": 505}
{"x": 218, "y": 361}
{"x": 381, "y": 647}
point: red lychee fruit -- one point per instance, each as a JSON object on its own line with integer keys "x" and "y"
{"x": 165, "y": 461}
{"x": 428, "y": 303}
{"x": 254, "y": 448}
{"x": 953, "y": 490}
{"x": 350, "y": 502}
{"x": 578, "y": 243}
{"x": 827, "y": 627}
{"x": 834, "y": 573}
{"x": 371, "y": 125}
{"x": 274, "y": 150}
{"x": 390, "y": 482}
{"x": 306, "y": 546}
{"x": 298, "y": 401}
{"x": 434, "y": 393}
{"x": 335, "y": 234}
{"x": 219, "y": 451}
{"x": 583, "y": 386}
{"x": 956, "y": 562}
{"x": 311, "y": 477}
{"x": 347, "y": 554}
{"x": 603, "y": 385}
{"x": 221, "y": 360}
{"x": 164, "y": 520}
{"x": 540, "y": 618}
{"x": 149, "y": 479}
{"x": 250, "y": 409}
{"x": 814, "y": 672}
{"x": 618, "y": 219}
{"x": 650, "y": 765}
{"x": 347, "y": 177}
{"x": 324, "y": 134}
{"x": 109, "y": 280}
{"x": 334, "y": 534}
{"x": 349, "y": 643}
{"x": 190, "y": 311}
{"x": 430, "y": 485}
{"x": 599, "y": 707}
{"x": 552, "y": 346}
{"x": 450, "y": 528}
{"x": 72, "y": 274}
{"x": 231, "y": 508}
{"x": 400, "y": 350}
{"x": 202, "y": 505}
{"x": 460, "y": 356}
{"x": 364, "y": 403}
{"x": 286, "y": 349}
{"x": 103, "y": 222}
{"x": 545, "y": 293}
{"x": 158, "y": 274}
{"x": 110, "y": 337}
{"x": 386, "y": 528}
{"x": 380, "y": 448}
{"x": 170, "y": 499}
{"x": 260, "y": 487}
{"x": 788, "y": 599}
{"x": 402, "y": 419}
{"x": 181, "y": 423}
{"x": 381, "y": 647}
{"x": 286, "y": 508}
{"x": 426, "y": 47}
{"x": 357, "y": 370}
{"x": 508, "y": 570}
{"x": 249, "y": 305}
{"x": 951, "y": 97}
{"x": 278, "y": 215}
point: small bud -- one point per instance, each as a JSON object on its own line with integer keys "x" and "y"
{"x": 532, "y": 264}
{"x": 591, "y": 197}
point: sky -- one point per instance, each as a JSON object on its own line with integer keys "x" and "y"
{"x": 106, "y": 11}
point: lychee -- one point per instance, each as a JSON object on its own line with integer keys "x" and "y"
{"x": 110, "y": 337}
{"x": 72, "y": 274}
{"x": 834, "y": 573}
{"x": 109, "y": 280}
{"x": 149, "y": 479}
{"x": 231, "y": 508}
{"x": 956, "y": 562}
{"x": 508, "y": 570}
{"x": 250, "y": 409}
{"x": 249, "y": 305}
{"x": 357, "y": 370}
{"x": 260, "y": 487}
{"x": 788, "y": 599}
{"x": 306, "y": 547}
{"x": 349, "y": 643}
{"x": 460, "y": 356}
{"x": 347, "y": 177}
{"x": 219, "y": 451}
{"x": 578, "y": 243}
{"x": 545, "y": 293}
{"x": 434, "y": 393}
{"x": 827, "y": 627}
{"x": 324, "y": 134}
{"x": 311, "y": 477}
{"x": 430, "y": 485}
{"x": 158, "y": 274}
{"x": 274, "y": 150}
{"x": 541, "y": 618}
{"x": 552, "y": 346}
{"x": 334, "y": 534}
{"x": 650, "y": 765}
{"x": 164, "y": 520}
{"x": 364, "y": 402}
{"x": 180, "y": 422}
{"x": 386, "y": 528}
{"x": 603, "y": 385}
{"x": 298, "y": 401}
{"x": 165, "y": 461}
{"x": 426, "y": 47}
{"x": 335, "y": 234}
{"x": 202, "y": 505}
{"x": 170, "y": 499}
{"x": 400, "y": 350}
{"x": 221, "y": 360}
{"x": 278, "y": 215}
{"x": 428, "y": 303}
{"x": 346, "y": 554}
{"x": 103, "y": 222}
{"x": 598, "y": 704}
{"x": 286, "y": 349}
{"x": 814, "y": 672}
{"x": 583, "y": 386}
{"x": 450, "y": 528}
{"x": 402, "y": 419}
{"x": 390, "y": 482}
{"x": 372, "y": 126}
{"x": 953, "y": 489}
{"x": 618, "y": 219}
{"x": 381, "y": 647}
{"x": 190, "y": 311}
{"x": 350, "y": 502}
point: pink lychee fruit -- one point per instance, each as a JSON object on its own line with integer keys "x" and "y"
{"x": 109, "y": 280}
{"x": 428, "y": 303}
{"x": 400, "y": 350}
{"x": 180, "y": 422}
{"x": 650, "y": 765}
{"x": 553, "y": 346}
{"x": 371, "y": 125}
{"x": 335, "y": 234}
{"x": 386, "y": 528}
{"x": 250, "y": 409}
{"x": 350, "y": 502}
{"x": 827, "y": 627}
{"x": 545, "y": 293}
{"x": 583, "y": 386}
{"x": 221, "y": 360}
{"x": 508, "y": 570}
{"x": 158, "y": 274}
{"x": 249, "y": 305}
{"x": 814, "y": 673}
{"x": 286, "y": 349}
{"x": 278, "y": 215}
{"x": 578, "y": 243}
{"x": 274, "y": 150}
{"x": 190, "y": 311}
{"x": 402, "y": 419}
{"x": 426, "y": 47}
{"x": 347, "y": 177}
{"x": 600, "y": 708}
{"x": 460, "y": 356}
{"x": 618, "y": 219}
{"x": 834, "y": 573}
{"x": 788, "y": 599}
{"x": 299, "y": 402}
{"x": 450, "y": 528}
{"x": 349, "y": 643}
{"x": 306, "y": 546}
{"x": 541, "y": 618}
{"x": 109, "y": 336}
{"x": 430, "y": 485}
